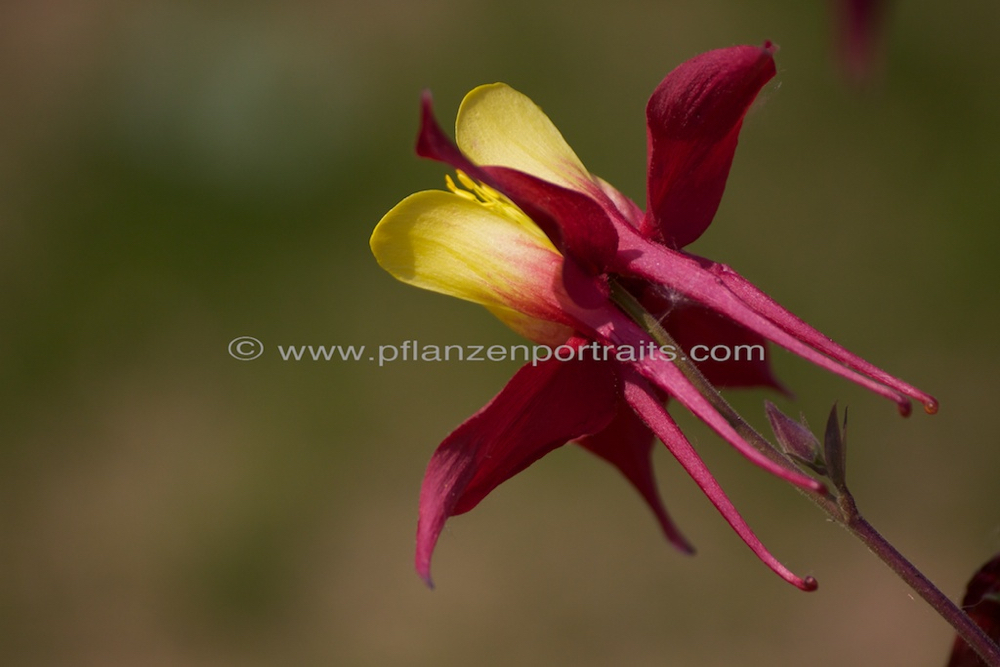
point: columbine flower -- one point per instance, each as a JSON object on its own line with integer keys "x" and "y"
{"x": 536, "y": 238}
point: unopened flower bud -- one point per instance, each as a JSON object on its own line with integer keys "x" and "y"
{"x": 796, "y": 439}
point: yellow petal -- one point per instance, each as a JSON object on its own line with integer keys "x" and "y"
{"x": 498, "y": 126}
{"x": 489, "y": 253}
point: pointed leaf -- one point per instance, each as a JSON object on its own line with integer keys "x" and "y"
{"x": 835, "y": 449}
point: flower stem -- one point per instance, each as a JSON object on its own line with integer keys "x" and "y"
{"x": 966, "y": 628}
{"x": 841, "y": 508}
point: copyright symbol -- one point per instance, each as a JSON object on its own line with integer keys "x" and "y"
{"x": 245, "y": 348}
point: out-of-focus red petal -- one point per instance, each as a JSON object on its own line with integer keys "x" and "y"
{"x": 540, "y": 409}
{"x": 693, "y": 124}
{"x": 627, "y": 444}
{"x": 982, "y": 604}
{"x": 860, "y": 26}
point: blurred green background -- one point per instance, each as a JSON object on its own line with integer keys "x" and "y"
{"x": 176, "y": 174}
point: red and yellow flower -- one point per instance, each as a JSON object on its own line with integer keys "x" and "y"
{"x": 529, "y": 233}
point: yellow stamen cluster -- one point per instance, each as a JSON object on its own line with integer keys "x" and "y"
{"x": 497, "y": 203}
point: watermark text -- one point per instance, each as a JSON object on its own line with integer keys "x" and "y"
{"x": 246, "y": 348}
